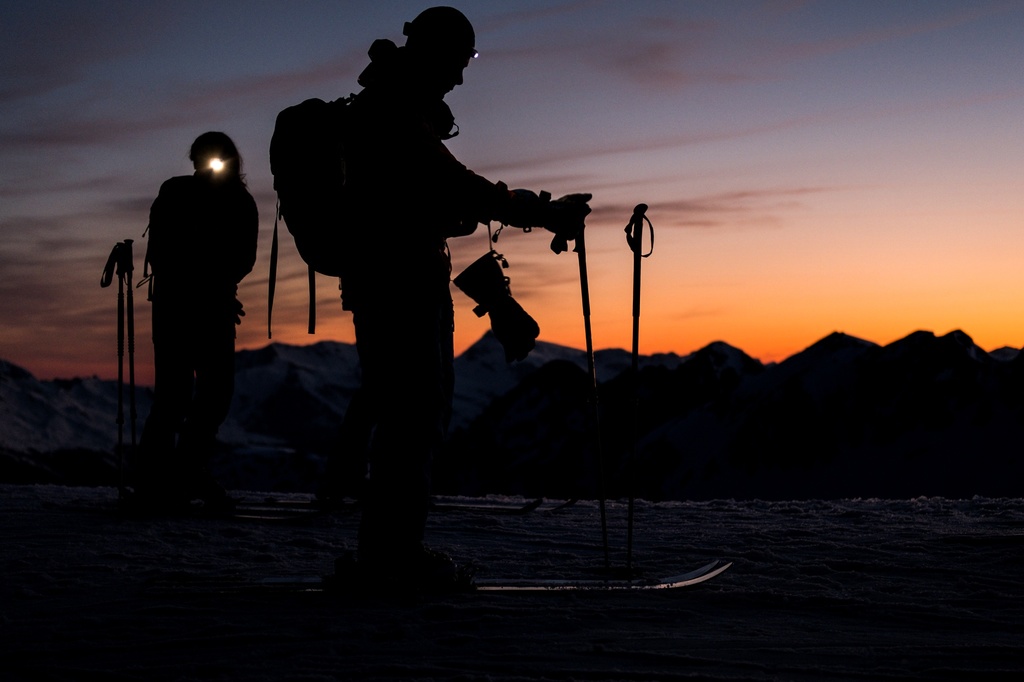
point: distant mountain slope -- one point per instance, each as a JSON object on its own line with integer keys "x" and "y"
{"x": 65, "y": 414}
{"x": 287, "y": 399}
{"x": 924, "y": 415}
{"x": 481, "y": 373}
{"x": 297, "y": 395}
{"x": 537, "y": 438}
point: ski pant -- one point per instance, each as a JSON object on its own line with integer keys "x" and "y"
{"x": 407, "y": 385}
{"x": 194, "y": 361}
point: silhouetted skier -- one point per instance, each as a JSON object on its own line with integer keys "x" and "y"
{"x": 202, "y": 241}
{"x": 405, "y": 195}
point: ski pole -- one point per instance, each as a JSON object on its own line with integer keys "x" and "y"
{"x": 121, "y": 262}
{"x": 112, "y": 266}
{"x": 581, "y": 252}
{"x": 634, "y": 238}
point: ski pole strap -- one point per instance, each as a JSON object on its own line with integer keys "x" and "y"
{"x": 108, "y": 270}
{"x": 119, "y": 262}
{"x": 147, "y": 279}
{"x": 634, "y": 231}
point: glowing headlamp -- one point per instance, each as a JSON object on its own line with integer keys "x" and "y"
{"x": 216, "y": 165}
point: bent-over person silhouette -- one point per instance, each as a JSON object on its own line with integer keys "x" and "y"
{"x": 406, "y": 194}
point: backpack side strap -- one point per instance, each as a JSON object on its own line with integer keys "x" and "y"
{"x": 272, "y": 279}
{"x": 272, "y": 283}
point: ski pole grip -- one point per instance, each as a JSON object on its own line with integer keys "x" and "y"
{"x": 126, "y": 263}
{"x": 108, "y": 270}
{"x": 634, "y": 229}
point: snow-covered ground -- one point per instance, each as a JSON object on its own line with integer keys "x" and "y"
{"x": 866, "y": 589}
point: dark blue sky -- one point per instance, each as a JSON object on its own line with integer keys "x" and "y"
{"x": 810, "y": 166}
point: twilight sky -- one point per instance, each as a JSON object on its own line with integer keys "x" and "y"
{"x": 810, "y": 166}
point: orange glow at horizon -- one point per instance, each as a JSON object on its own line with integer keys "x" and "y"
{"x": 704, "y": 286}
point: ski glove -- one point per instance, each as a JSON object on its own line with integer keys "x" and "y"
{"x": 514, "y": 328}
{"x": 484, "y": 282}
{"x": 564, "y": 216}
{"x": 237, "y": 311}
{"x": 524, "y": 209}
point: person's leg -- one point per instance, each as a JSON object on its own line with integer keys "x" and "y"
{"x": 214, "y": 352}
{"x": 447, "y": 340}
{"x": 403, "y": 379}
{"x": 347, "y": 465}
{"x": 157, "y": 474}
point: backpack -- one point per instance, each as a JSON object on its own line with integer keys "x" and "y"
{"x": 307, "y": 160}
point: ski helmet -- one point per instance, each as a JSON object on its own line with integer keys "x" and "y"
{"x": 443, "y": 31}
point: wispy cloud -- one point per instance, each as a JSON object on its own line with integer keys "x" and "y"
{"x": 67, "y": 132}
{"x": 963, "y": 14}
{"x": 261, "y": 87}
{"x": 36, "y": 183}
{"x": 665, "y": 53}
{"x": 650, "y": 50}
{"x": 51, "y": 45}
{"x": 576, "y": 152}
{"x": 739, "y": 207}
{"x": 518, "y": 18}
{"x": 182, "y": 105}
{"x": 759, "y": 206}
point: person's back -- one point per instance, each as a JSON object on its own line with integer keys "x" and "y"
{"x": 405, "y": 192}
{"x": 201, "y": 241}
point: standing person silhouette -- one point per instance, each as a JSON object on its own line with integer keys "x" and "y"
{"x": 406, "y": 194}
{"x": 202, "y": 241}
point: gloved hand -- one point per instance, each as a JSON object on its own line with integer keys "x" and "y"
{"x": 524, "y": 209}
{"x": 484, "y": 282}
{"x": 565, "y": 217}
{"x": 238, "y": 311}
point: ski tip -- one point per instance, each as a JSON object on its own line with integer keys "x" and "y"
{"x": 694, "y": 577}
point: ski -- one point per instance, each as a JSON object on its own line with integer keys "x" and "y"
{"x": 256, "y": 515}
{"x": 330, "y": 584}
{"x": 299, "y": 505}
{"x": 232, "y": 584}
{"x": 564, "y": 505}
{"x": 697, "y": 576}
{"x": 241, "y": 511}
{"x": 285, "y": 511}
{"x": 293, "y": 505}
{"x": 495, "y": 508}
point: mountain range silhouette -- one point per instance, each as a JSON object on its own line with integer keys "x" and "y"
{"x": 922, "y": 416}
